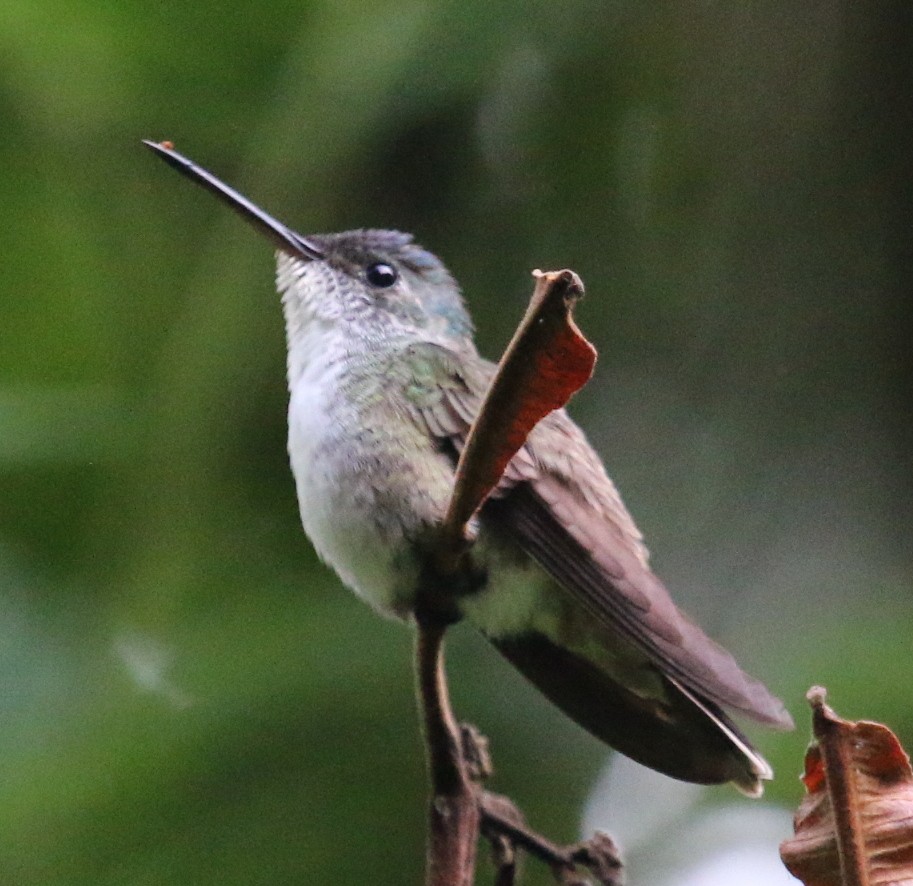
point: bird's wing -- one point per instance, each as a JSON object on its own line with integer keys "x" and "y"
{"x": 557, "y": 502}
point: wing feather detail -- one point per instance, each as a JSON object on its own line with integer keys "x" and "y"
{"x": 559, "y": 505}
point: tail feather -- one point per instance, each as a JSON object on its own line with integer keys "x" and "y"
{"x": 759, "y": 770}
{"x": 681, "y": 735}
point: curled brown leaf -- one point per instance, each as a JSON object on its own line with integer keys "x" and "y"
{"x": 854, "y": 827}
{"x": 546, "y": 362}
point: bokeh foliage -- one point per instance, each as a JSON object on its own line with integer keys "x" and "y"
{"x": 186, "y": 694}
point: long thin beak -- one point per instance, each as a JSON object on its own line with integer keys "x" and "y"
{"x": 284, "y": 238}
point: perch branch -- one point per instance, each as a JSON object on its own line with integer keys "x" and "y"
{"x": 501, "y": 819}
{"x": 546, "y": 362}
{"x": 453, "y": 817}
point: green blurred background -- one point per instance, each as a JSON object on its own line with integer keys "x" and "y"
{"x": 186, "y": 695}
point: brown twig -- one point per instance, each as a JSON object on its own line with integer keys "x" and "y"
{"x": 546, "y": 362}
{"x": 453, "y": 813}
{"x": 460, "y": 810}
{"x": 501, "y": 819}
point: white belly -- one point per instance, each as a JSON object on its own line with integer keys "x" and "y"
{"x": 368, "y": 481}
{"x": 335, "y": 503}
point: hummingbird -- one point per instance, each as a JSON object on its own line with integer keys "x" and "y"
{"x": 384, "y": 382}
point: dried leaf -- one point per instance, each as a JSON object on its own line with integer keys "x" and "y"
{"x": 546, "y": 362}
{"x": 854, "y": 827}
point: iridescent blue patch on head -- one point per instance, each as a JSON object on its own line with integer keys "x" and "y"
{"x": 425, "y": 263}
{"x": 443, "y": 297}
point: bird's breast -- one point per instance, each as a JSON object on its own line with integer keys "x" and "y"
{"x": 368, "y": 481}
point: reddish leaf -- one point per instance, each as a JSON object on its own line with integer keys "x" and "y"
{"x": 854, "y": 827}
{"x": 546, "y": 362}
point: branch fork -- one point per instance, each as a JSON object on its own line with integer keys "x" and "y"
{"x": 546, "y": 362}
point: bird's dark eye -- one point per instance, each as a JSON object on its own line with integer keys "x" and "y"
{"x": 381, "y": 275}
